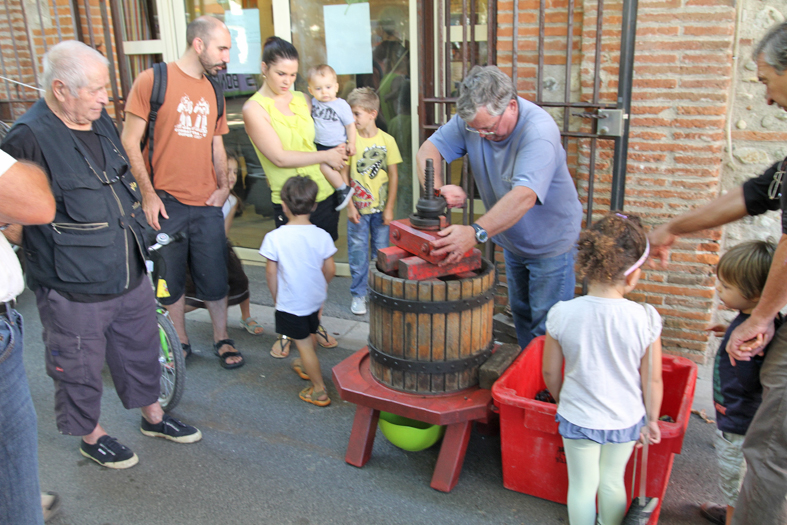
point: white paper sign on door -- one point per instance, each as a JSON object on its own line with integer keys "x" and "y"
{"x": 348, "y": 38}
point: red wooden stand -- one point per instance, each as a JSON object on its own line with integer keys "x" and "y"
{"x": 355, "y": 384}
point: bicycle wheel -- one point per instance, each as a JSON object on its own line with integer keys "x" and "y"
{"x": 173, "y": 364}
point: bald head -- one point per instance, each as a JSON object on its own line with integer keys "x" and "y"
{"x": 203, "y": 28}
{"x": 69, "y": 61}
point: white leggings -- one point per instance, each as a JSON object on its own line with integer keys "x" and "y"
{"x": 596, "y": 468}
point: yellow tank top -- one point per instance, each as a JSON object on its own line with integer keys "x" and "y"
{"x": 296, "y": 133}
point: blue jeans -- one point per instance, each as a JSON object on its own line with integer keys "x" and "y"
{"x": 534, "y": 285}
{"x": 20, "y": 496}
{"x": 371, "y": 225}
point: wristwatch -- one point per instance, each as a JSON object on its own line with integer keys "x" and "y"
{"x": 480, "y": 233}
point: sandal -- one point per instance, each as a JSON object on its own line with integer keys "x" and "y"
{"x": 297, "y": 365}
{"x": 252, "y": 326}
{"x": 50, "y": 505}
{"x": 325, "y": 339}
{"x": 310, "y": 396}
{"x": 223, "y": 357}
{"x": 186, "y": 347}
{"x": 281, "y": 348}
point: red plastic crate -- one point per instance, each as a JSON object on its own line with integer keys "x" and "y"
{"x": 534, "y": 462}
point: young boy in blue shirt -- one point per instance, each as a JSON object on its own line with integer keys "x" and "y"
{"x": 737, "y": 392}
{"x": 374, "y": 180}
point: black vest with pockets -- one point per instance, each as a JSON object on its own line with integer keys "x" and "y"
{"x": 84, "y": 249}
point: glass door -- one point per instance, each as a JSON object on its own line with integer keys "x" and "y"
{"x": 367, "y": 43}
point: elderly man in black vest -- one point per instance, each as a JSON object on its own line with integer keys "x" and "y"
{"x": 87, "y": 266}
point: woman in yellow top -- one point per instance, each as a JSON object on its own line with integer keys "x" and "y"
{"x": 281, "y": 128}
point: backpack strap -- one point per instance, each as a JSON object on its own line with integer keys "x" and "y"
{"x": 214, "y": 81}
{"x": 156, "y": 100}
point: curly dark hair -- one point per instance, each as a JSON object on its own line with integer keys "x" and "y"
{"x": 610, "y": 247}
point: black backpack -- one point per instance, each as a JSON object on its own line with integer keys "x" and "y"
{"x": 157, "y": 99}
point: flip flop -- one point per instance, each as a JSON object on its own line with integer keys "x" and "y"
{"x": 223, "y": 357}
{"x": 310, "y": 396}
{"x": 297, "y": 365}
{"x": 252, "y": 326}
{"x": 282, "y": 344}
{"x": 324, "y": 339}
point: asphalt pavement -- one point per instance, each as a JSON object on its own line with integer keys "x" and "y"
{"x": 269, "y": 458}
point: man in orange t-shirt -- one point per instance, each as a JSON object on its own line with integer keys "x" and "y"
{"x": 189, "y": 176}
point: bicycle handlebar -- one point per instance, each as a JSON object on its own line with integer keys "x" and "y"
{"x": 164, "y": 239}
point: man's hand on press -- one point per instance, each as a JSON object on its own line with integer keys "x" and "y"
{"x": 454, "y": 195}
{"x": 455, "y": 241}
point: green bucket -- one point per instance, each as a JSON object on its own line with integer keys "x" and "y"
{"x": 409, "y": 434}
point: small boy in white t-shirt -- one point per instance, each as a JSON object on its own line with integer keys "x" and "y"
{"x": 300, "y": 265}
{"x": 333, "y": 125}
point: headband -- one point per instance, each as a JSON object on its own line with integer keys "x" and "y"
{"x": 641, "y": 260}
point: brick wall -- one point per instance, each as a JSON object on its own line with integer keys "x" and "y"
{"x": 23, "y": 47}
{"x": 676, "y": 142}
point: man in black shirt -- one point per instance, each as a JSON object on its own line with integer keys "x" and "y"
{"x": 763, "y": 497}
{"x": 87, "y": 266}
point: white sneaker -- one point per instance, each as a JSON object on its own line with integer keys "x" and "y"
{"x": 358, "y": 306}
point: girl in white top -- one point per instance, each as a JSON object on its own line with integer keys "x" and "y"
{"x": 604, "y": 340}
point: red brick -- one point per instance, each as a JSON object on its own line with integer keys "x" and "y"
{"x": 702, "y": 110}
{"x": 711, "y": 30}
{"x": 706, "y": 161}
{"x": 650, "y": 122}
{"x": 658, "y": 30}
{"x": 646, "y": 135}
{"x": 695, "y": 258}
{"x": 653, "y": 83}
{"x": 685, "y": 314}
{"x": 656, "y": 59}
{"x": 684, "y": 334}
{"x": 693, "y": 96}
{"x": 684, "y": 45}
{"x": 707, "y": 83}
{"x": 720, "y": 58}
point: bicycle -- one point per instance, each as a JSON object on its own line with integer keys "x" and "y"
{"x": 173, "y": 364}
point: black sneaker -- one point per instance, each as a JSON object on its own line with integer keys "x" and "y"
{"x": 172, "y": 429}
{"x": 109, "y": 452}
{"x": 343, "y": 197}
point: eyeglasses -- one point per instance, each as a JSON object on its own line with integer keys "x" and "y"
{"x": 774, "y": 189}
{"x": 492, "y": 131}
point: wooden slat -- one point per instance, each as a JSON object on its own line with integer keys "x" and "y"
{"x": 478, "y": 342}
{"x": 424, "y": 335}
{"x": 375, "y": 312}
{"x": 385, "y": 321}
{"x": 410, "y": 335}
{"x": 466, "y": 348}
{"x": 438, "y": 336}
{"x": 397, "y": 333}
{"x": 452, "y": 333}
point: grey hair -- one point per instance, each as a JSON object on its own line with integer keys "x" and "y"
{"x": 484, "y": 87}
{"x": 66, "y": 62}
{"x": 773, "y": 48}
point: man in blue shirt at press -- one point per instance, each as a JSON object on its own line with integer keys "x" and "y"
{"x": 533, "y": 210}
